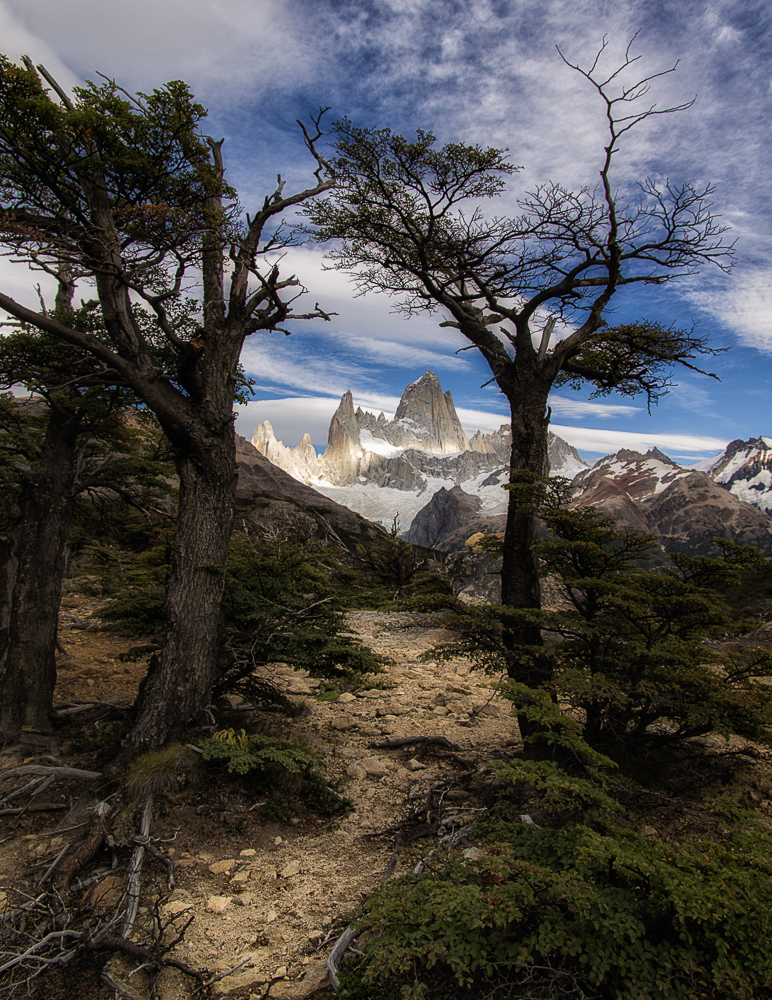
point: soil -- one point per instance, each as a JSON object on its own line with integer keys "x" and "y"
{"x": 270, "y": 882}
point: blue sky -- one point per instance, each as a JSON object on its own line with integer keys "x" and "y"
{"x": 482, "y": 71}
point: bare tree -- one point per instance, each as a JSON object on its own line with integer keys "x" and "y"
{"x": 400, "y": 220}
{"x": 128, "y": 192}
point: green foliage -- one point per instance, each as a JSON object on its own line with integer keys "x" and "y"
{"x": 267, "y": 763}
{"x": 570, "y": 900}
{"x": 397, "y": 571}
{"x": 279, "y": 607}
{"x": 625, "y": 651}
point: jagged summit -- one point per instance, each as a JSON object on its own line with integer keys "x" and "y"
{"x": 424, "y": 448}
{"x": 426, "y": 419}
{"x": 745, "y": 469}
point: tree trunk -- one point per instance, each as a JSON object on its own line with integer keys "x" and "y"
{"x": 530, "y": 453}
{"x": 520, "y": 586}
{"x": 179, "y": 682}
{"x": 28, "y": 674}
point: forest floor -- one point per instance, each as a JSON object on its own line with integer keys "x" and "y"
{"x": 271, "y": 884}
{"x": 273, "y": 888}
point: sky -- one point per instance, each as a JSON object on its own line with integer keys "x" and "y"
{"x": 473, "y": 71}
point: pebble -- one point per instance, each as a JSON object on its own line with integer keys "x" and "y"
{"x": 290, "y": 869}
{"x": 218, "y": 904}
{"x": 221, "y": 867}
{"x": 250, "y": 852}
{"x": 343, "y": 723}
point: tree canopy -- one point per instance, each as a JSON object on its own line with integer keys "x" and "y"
{"x": 405, "y": 218}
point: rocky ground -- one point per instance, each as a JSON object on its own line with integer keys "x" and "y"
{"x": 276, "y": 895}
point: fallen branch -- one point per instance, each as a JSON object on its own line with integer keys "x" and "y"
{"x": 88, "y": 848}
{"x": 337, "y": 953}
{"x": 426, "y": 741}
{"x": 19, "y": 811}
{"x": 133, "y": 886}
{"x": 56, "y": 772}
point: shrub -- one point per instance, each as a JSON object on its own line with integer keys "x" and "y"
{"x": 625, "y": 650}
{"x": 580, "y": 905}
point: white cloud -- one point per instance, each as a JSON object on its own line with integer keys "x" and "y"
{"x": 290, "y": 418}
{"x": 577, "y": 408}
{"x": 743, "y": 303}
{"x": 212, "y": 44}
{"x": 605, "y": 442}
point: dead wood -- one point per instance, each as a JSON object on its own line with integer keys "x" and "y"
{"x": 426, "y": 741}
{"x": 55, "y": 772}
{"x": 88, "y": 848}
{"x": 133, "y": 885}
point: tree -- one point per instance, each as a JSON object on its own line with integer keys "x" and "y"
{"x": 127, "y": 192}
{"x": 627, "y": 653}
{"x": 399, "y": 216}
{"x": 71, "y": 437}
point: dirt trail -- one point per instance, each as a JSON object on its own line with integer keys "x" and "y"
{"x": 271, "y": 893}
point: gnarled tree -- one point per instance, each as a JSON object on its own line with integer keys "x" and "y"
{"x": 406, "y": 220}
{"x": 127, "y": 192}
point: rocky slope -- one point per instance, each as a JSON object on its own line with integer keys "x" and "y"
{"x": 745, "y": 469}
{"x": 423, "y": 449}
{"x": 684, "y": 508}
{"x": 275, "y": 495}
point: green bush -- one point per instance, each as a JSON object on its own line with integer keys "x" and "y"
{"x": 278, "y": 607}
{"x": 267, "y": 763}
{"x": 626, "y": 650}
{"x": 578, "y": 904}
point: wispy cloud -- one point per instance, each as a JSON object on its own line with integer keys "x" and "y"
{"x": 742, "y": 302}
{"x": 605, "y": 442}
{"x": 578, "y": 409}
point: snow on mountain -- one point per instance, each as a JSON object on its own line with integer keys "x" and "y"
{"x": 745, "y": 469}
{"x": 378, "y": 467}
{"x": 640, "y": 476}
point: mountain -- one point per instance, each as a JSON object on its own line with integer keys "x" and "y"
{"x": 380, "y": 467}
{"x": 745, "y": 469}
{"x": 685, "y": 508}
{"x": 276, "y": 496}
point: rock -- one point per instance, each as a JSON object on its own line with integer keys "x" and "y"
{"x": 375, "y": 767}
{"x": 108, "y": 890}
{"x": 314, "y": 980}
{"x": 290, "y": 869}
{"x": 472, "y": 854}
{"x": 343, "y": 723}
{"x": 221, "y": 867}
{"x": 270, "y": 916}
{"x": 176, "y": 907}
{"x": 415, "y": 765}
{"x": 440, "y": 710}
{"x": 281, "y": 972}
{"x": 356, "y": 772}
{"x": 218, "y": 904}
{"x": 249, "y": 852}
{"x": 346, "y": 697}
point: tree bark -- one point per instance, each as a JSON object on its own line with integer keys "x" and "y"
{"x": 28, "y": 674}
{"x": 527, "y": 392}
{"x": 179, "y": 683}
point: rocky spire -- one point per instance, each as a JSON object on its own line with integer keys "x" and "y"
{"x": 427, "y": 419}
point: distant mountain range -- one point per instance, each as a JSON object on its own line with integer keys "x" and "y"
{"x": 442, "y": 487}
{"x": 382, "y": 468}
{"x": 683, "y": 507}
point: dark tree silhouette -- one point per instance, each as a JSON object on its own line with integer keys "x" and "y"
{"x": 405, "y": 219}
{"x": 127, "y": 192}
